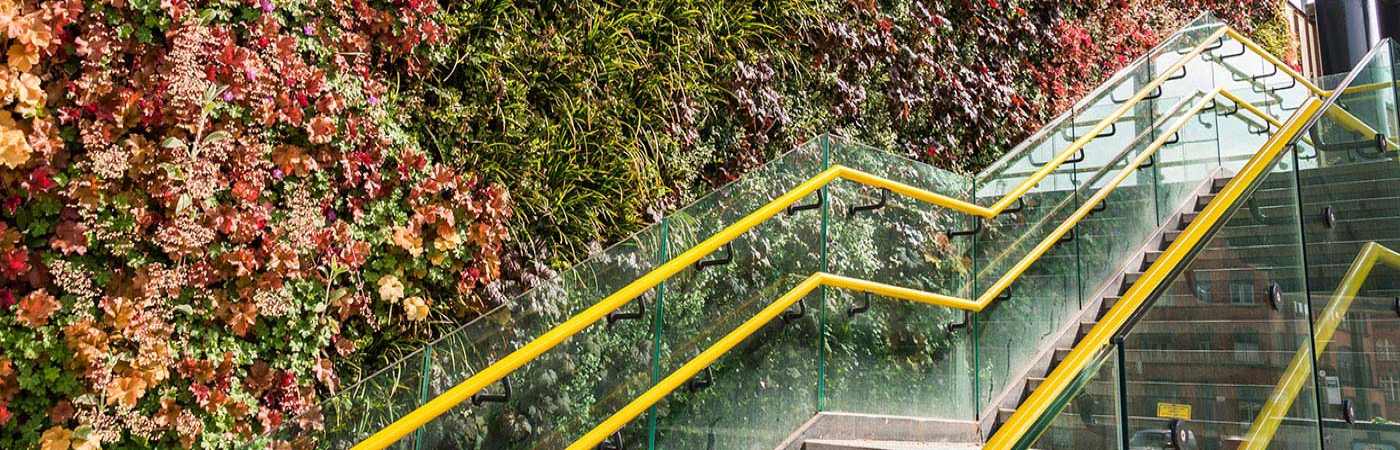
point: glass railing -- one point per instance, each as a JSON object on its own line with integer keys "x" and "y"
{"x": 1350, "y": 199}
{"x": 834, "y": 350}
{"x": 871, "y": 347}
{"x": 1277, "y": 332}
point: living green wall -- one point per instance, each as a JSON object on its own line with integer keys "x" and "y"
{"x": 216, "y": 213}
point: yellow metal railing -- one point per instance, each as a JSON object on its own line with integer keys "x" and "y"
{"x": 1082, "y": 353}
{"x": 663, "y": 388}
{"x": 1300, "y": 369}
{"x": 552, "y": 338}
{"x": 1098, "y": 337}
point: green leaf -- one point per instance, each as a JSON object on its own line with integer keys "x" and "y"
{"x": 217, "y": 137}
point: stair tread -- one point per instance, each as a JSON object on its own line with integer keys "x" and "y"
{"x": 862, "y": 444}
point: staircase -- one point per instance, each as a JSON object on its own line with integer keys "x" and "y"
{"x": 1145, "y": 272}
{"x": 1215, "y": 332}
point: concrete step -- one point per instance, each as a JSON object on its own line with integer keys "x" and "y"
{"x": 860, "y": 444}
{"x": 1004, "y": 414}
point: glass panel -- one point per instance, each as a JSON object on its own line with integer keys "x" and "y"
{"x": 1225, "y": 330}
{"x": 1014, "y": 328}
{"x": 1087, "y": 417}
{"x": 889, "y": 356}
{"x": 1254, "y": 79}
{"x": 765, "y": 388}
{"x": 1109, "y": 237}
{"x": 567, "y": 390}
{"x": 1051, "y": 290}
{"x": 1103, "y": 100}
{"x": 1215, "y": 137}
{"x": 366, "y": 407}
{"x": 753, "y": 397}
{"x": 1351, "y": 198}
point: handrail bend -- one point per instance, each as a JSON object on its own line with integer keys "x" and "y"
{"x": 552, "y": 338}
{"x": 692, "y": 367}
{"x": 1300, "y": 369}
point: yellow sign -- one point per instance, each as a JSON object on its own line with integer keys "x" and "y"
{"x": 1174, "y": 411}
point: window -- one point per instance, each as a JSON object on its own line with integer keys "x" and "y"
{"x": 1386, "y": 350}
{"x": 1391, "y": 385}
{"x": 1201, "y": 287}
{"x": 1247, "y": 351}
{"x": 1242, "y": 292}
{"x": 1249, "y": 409}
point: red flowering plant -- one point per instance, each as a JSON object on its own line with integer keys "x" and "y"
{"x": 203, "y": 205}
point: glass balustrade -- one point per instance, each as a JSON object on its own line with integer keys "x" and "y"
{"x": 1278, "y": 331}
{"x": 843, "y": 351}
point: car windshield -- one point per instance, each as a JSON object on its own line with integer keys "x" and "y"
{"x": 1151, "y": 438}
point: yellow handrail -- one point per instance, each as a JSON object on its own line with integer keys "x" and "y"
{"x": 664, "y": 387}
{"x": 1300, "y": 369}
{"x": 1276, "y": 62}
{"x": 704, "y": 359}
{"x": 493, "y": 373}
{"x": 1368, "y": 87}
{"x": 552, "y": 338}
{"x": 1063, "y": 375}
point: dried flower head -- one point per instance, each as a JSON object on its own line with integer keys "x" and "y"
{"x": 390, "y": 288}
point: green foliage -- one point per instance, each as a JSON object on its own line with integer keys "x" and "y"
{"x": 1274, "y": 35}
{"x": 590, "y": 112}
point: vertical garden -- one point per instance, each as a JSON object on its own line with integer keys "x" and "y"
{"x": 215, "y": 213}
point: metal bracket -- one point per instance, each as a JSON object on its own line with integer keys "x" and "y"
{"x": 1219, "y": 42}
{"x": 1176, "y": 137}
{"x": 975, "y": 229}
{"x": 859, "y": 308}
{"x": 884, "y": 199}
{"x": 1231, "y": 112}
{"x": 1099, "y": 207}
{"x": 637, "y": 314}
{"x": 1271, "y": 73}
{"x": 1156, "y": 93}
{"x": 1113, "y": 129}
{"x": 1232, "y": 55}
{"x": 1151, "y": 161}
{"x": 1396, "y": 306}
{"x": 1264, "y": 130}
{"x": 1078, "y": 158}
{"x": 1201, "y": 118}
{"x": 479, "y": 398}
{"x": 728, "y": 258}
{"x": 1020, "y": 206}
{"x": 789, "y": 315}
{"x": 1178, "y": 77}
{"x": 613, "y": 442}
{"x": 1348, "y": 411}
{"x": 697, "y": 384}
{"x": 1251, "y": 78}
{"x": 1068, "y": 237}
{"x": 1329, "y": 216}
{"x": 1292, "y": 82}
{"x": 967, "y": 319}
{"x": 821, "y": 198}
